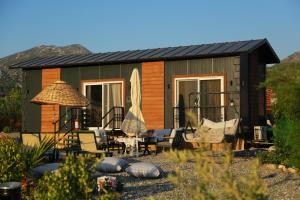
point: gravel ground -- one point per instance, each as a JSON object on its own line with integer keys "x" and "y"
{"x": 281, "y": 185}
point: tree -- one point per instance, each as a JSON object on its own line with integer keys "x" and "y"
{"x": 284, "y": 79}
{"x": 10, "y": 109}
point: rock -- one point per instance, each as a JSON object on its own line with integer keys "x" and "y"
{"x": 271, "y": 166}
{"x": 292, "y": 170}
{"x": 282, "y": 167}
{"x": 42, "y": 169}
{"x": 271, "y": 149}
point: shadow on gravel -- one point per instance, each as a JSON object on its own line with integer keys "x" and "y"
{"x": 134, "y": 192}
{"x": 247, "y": 153}
{"x": 272, "y": 175}
{"x": 288, "y": 177}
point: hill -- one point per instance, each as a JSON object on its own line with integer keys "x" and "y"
{"x": 295, "y": 57}
{"x": 10, "y": 78}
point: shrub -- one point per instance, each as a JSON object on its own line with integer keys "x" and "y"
{"x": 10, "y": 109}
{"x": 284, "y": 79}
{"x": 33, "y": 157}
{"x": 287, "y": 140}
{"x": 214, "y": 180}
{"x": 6, "y": 129}
{"x": 270, "y": 157}
{"x": 71, "y": 181}
{"x": 11, "y": 166}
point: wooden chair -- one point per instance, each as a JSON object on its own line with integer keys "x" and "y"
{"x": 88, "y": 144}
{"x": 31, "y": 140}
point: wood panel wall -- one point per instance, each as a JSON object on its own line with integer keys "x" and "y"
{"x": 49, "y": 112}
{"x": 153, "y": 94}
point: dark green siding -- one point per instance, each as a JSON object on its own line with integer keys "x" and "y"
{"x": 227, "y": 65}
{"x": 73, "y": 75}
{"x": 32, "y": 85}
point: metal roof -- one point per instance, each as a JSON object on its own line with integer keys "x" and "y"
{"x": 169, "y": 53}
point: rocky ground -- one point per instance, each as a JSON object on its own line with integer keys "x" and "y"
{"x": 281, "y": 185}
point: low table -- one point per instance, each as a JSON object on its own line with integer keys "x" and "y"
{"x": 131, "y": 142}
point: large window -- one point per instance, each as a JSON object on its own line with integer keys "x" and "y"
{"x": 103, "y": 96}
{"x": 202, "y": 96}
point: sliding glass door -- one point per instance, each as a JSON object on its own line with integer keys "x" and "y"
{"x": 103, "y": 96}
{"x": 202, "y": 96}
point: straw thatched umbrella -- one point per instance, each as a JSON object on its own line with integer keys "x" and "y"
{"x": 60, "y": 93}
{"x": 134, "y": 122}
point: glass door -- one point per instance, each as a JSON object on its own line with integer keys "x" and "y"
{"x": 210, "y": 100}
{"x": 185, "y": 100}
{"x": 103, "y": 97}
{"x": 94, "y": 94}
{"x": 202, "y": 97}
{"x": 113, "y": 94}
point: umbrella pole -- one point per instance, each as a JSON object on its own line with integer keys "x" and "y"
{"x": 54, "y": 124}
{"x": 137, "y": 145}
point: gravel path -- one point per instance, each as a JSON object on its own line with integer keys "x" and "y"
{"x": 281, "y": 185}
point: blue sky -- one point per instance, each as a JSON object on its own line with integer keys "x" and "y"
{"x": 111, "y": 25}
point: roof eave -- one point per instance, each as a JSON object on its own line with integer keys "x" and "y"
{"x": 129, "y": 61}
{"x": 274, "y": 58}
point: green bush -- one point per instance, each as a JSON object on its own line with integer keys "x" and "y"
{"x": 11, "y": 162}
{"x": 10, "y": 109}
{"x": 287, "y": 140}
{"x": 6, "y": 129}
{"x": 270, "y": 157}
{"x": 284, "y": 79}
{"x": 71, "y": 181}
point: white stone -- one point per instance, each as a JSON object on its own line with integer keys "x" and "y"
{"x": 271, "y": 148}
{"x": 292, "y": 170}
{"x": 271, "y": 166}
{"x": 282, "y": 167}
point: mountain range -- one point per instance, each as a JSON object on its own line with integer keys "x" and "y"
{"x": 10, "y": 78}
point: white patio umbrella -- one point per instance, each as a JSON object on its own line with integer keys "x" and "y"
{"x": 134, "y": 122}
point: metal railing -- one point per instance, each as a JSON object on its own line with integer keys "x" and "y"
{"x": 227, "y": 109}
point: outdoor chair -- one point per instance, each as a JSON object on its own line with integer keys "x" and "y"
{"x": 33, "y": 140}
{"x": 88, "y": 144}
{"x": 211, "y": 135}
{"x": 165, "y": 139}
{"x": 106, "y": 141}
{"x": 30, "y": 140}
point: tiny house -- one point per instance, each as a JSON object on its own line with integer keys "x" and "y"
{"x": 217, "y": 81}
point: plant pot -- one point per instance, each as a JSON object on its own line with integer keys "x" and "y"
{"x": 10, "y": 190}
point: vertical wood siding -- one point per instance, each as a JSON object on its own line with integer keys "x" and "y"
{"x": 31, "y": 113}
{"x": 153, "y": 94}
{"x": 256, "y": 94}
{"x": 227, "y": 66}
{"x": 49, "y": 111}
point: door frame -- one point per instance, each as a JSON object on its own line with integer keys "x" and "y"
{"x": 103, "y": 82}
{"x": 199, "y": 77}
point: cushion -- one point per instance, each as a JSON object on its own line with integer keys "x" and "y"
{"x": 42, "y": 169}
{"x": 215, "y": 135}
{"x": 111, "y": 164}
{"x": 143, "y": 170}
{"x": 160, "y": 133}
{"x": 189, "y": 136}
{"x": 100, "y": 136}
{"x": 226, "y": 124}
